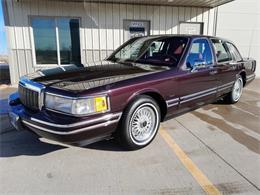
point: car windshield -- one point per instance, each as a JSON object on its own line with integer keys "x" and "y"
{"x": 165, "y": 51}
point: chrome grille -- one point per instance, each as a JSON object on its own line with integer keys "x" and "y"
{"x": 29, "y": 97}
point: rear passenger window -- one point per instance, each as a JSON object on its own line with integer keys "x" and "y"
{"x": 234, "y": 52}
{"x": 221, "y": 51}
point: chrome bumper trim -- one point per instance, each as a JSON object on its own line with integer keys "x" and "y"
{"x": 70, "y": 132}
{"x": 87, "y": 122}
{"x": 251, "y": 77}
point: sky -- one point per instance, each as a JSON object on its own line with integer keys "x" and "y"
{"x": 3, "y": 47}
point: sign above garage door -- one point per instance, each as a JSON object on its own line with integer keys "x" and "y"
{"x": 136, "y": 28}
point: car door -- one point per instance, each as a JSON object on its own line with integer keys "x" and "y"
{"x": 226, "y": 65}
{"x": 197, "y": 83}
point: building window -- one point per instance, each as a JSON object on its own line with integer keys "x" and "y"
{"x": 56, "y": 40}
{"x": 192, "y": 28}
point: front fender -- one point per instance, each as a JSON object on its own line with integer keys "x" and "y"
{"x": 141, "y": 92}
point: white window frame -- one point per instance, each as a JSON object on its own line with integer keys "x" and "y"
{"x": 55, "y": 18}
{"x": 185, "y": 22}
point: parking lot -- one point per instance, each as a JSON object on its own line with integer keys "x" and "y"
{"x": 215, "y": 149}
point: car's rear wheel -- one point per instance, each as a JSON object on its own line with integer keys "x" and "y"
{"x": 140, "y": 123}
{"x": 234, "y": 96}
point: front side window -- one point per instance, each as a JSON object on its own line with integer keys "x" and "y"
{"x": 221, "y": 51}
{"x": 200, "y": 54}
{"x": 56, "y": 40}
{"x": 154, "y": 51}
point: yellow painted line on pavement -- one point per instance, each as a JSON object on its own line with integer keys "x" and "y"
{"x": 203, "y": 181}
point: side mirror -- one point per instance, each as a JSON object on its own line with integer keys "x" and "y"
{"x": 196, "y": 65}
{"x": 200, "y": 63}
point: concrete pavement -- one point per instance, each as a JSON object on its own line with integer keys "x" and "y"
{"x": 221, "y": 141}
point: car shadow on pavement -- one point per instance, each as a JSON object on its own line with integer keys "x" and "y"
{"x": 106, "y": 145}
{"x": 17, "y": 143}
{"x": 221, "y": 102}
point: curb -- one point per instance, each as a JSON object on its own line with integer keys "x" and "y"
{"x": 5, "y": 125}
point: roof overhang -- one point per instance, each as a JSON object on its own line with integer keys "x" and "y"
{"x": 185, "y": 3}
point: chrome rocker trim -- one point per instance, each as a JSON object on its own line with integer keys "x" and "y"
{"x": 172, "y": 102}
{"x": 191, "y": 96}
{"x": 200, "y": 94}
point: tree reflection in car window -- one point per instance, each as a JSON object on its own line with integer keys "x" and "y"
{"x": 156, "y": 51}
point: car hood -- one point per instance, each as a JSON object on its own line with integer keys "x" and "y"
{"x": 77, "y": 78}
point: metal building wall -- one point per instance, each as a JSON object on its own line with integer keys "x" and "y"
{"x": 101, "y": 26}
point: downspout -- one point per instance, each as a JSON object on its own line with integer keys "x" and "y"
{"x": 5, "y": 13}
{"x": 215, "y": 21}
{"x": 7, "y": 25}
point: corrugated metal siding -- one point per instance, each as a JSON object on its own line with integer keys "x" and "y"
{"x": 101, "y": 26}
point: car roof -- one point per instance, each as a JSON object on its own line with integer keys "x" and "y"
{"x": 188, "y": 36}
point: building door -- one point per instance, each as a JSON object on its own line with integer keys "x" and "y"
{"x": 136, "y": 28}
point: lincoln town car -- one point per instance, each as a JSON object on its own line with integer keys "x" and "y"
{"x": 144, "y": 82}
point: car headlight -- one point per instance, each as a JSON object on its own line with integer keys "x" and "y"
{"x": 81, "y": 106}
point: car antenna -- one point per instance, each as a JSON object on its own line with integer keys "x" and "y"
{"x": 250, "y": 44}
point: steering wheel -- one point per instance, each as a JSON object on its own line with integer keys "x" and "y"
{"x": 169, "y": 58}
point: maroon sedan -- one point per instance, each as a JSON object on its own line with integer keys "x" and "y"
{"x": 144, "y": 82}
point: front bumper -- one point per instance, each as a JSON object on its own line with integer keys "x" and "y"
{"x": 65, "y": 129}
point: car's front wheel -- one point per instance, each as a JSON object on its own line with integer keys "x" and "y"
{"x": 235, "y": 94}
{"x": 140, "y": 123}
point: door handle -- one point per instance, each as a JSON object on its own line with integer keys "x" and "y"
{"x": 213, "y": 72}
